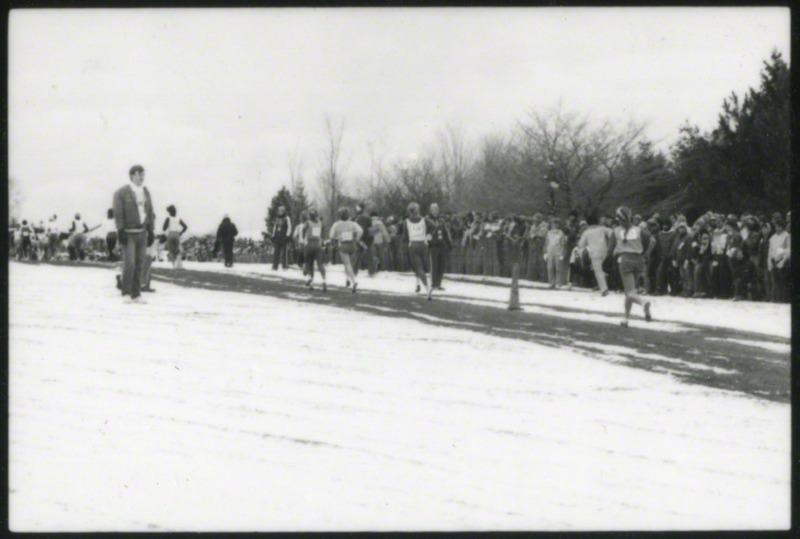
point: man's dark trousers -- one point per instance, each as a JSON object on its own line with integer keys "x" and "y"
{"x": 438, "y": 264}
{"x": 227, "y": 249}
{"x": 279, "y": 254}
{"x": 133, "y": 253}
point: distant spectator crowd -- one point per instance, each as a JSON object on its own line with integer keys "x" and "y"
{"x": 717, "y": 256}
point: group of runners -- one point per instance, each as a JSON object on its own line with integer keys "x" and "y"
{"x": 627, "y": 244}
{"x": 131, "y": 223}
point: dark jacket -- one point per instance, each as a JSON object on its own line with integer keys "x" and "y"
{"x": 227, "y": 231}
{"x": 439, "y": 233}
{"x": 365, "y": 222}
{"x": 126, "y": 215}
{"x": 665, "y": 240}
{"x": 751, "y": 244}
{"x": 682, "y": 249}
{"x": 280, "y": 231}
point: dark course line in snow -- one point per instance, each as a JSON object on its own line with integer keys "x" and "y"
{"x": 707, "y": 357}
{"x": 757, "y": 372}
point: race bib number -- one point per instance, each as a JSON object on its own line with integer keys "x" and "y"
{"x": 316, "y": 230}
{"x": 348, "y": 236}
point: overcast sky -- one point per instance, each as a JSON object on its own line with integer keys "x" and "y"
{"x": 213, "y": 102}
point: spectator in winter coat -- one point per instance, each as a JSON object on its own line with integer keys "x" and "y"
{"x": 734, "y": 252}
{"x": 226, "y": 235}
{"x": 537, "y": 231}
{"x": 651, "y": 256}
{"x": 683, "y": 260}
{"x": 554, "y": 245}
{"x": 701, "y": 259}
{"x": 720, "y": 270}
{"x": 665, "y": 238}
{"x": 26, "y": 237}
{"x": 133, "y": 212}
{"x": 439, "y": 244}
{"x": 595, "y": 240}
{"x": 765, "y": 276}
{"x": 750, "y": 245}
{"x": 281, "y": 232}
{"x": 779, "y": 254}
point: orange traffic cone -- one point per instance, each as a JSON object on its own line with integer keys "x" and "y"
{"x": 513, "y": 302}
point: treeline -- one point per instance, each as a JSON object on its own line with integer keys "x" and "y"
{"x": 557, "y": 161}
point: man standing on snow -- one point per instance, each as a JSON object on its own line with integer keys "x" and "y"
{"x": 133, "y": 212}
{"x": 365, "y": 222}
{"x": 281, "y": 232}
{"x": 439, "y": 244}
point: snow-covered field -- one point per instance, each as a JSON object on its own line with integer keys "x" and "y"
{"x": 224, "y": 411}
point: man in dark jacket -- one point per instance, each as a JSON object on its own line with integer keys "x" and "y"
{"x": 133, "y": 213}
{"x": 226, "y": 233}
{"x": 281, "y": 232}
{"x": 665, "y": 239}
{"x": 439, "y": 244}
{"x": 365, "y": 222}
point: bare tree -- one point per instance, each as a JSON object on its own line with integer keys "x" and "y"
{"x": 330, "y": 181}
{"x": 455, "y": 160}
{"x": 294, "y": 162}
{"x": 577, "y": 159}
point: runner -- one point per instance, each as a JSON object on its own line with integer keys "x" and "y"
{"x": 25, "y": 232}
{"x": 12, "y": 243}
{"x": 627, "y": 244}
{"x": 312, "y": 239}
{"x": 416, "y": 234}
{"x": 77, "y": 238}
{"x": 174, "y": 227}
{"x": 54, "y": 237}
{"x": 299, "y": 240}
{"x": 41, "y": 241}
{"x": 109, "y": 231}
{"x": 347, "y": 234}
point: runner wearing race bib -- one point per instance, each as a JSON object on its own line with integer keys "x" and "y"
{"x": 416, "y": 234}
{"x": 628, "y": 244}
{"x": 312, "y": 237}
{"x": 347, "y": 233}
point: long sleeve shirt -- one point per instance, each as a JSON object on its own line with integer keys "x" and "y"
{"x": 378, "y": 232}
{"x": 595, "y": 239}
{"x": 346, "y": 231}
{"x": 779, "y": 249}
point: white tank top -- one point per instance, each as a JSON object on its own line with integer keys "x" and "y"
{"x": 630, "y": 241}
{"x": 416, "y": 231}
{"x": 174, "y": 224}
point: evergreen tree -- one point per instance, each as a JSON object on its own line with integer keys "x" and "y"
{"x": 300, "y": 202}
{"x": 744, "y": 163}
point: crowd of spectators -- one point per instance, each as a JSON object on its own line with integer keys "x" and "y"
{"x": 717, "y": 256}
